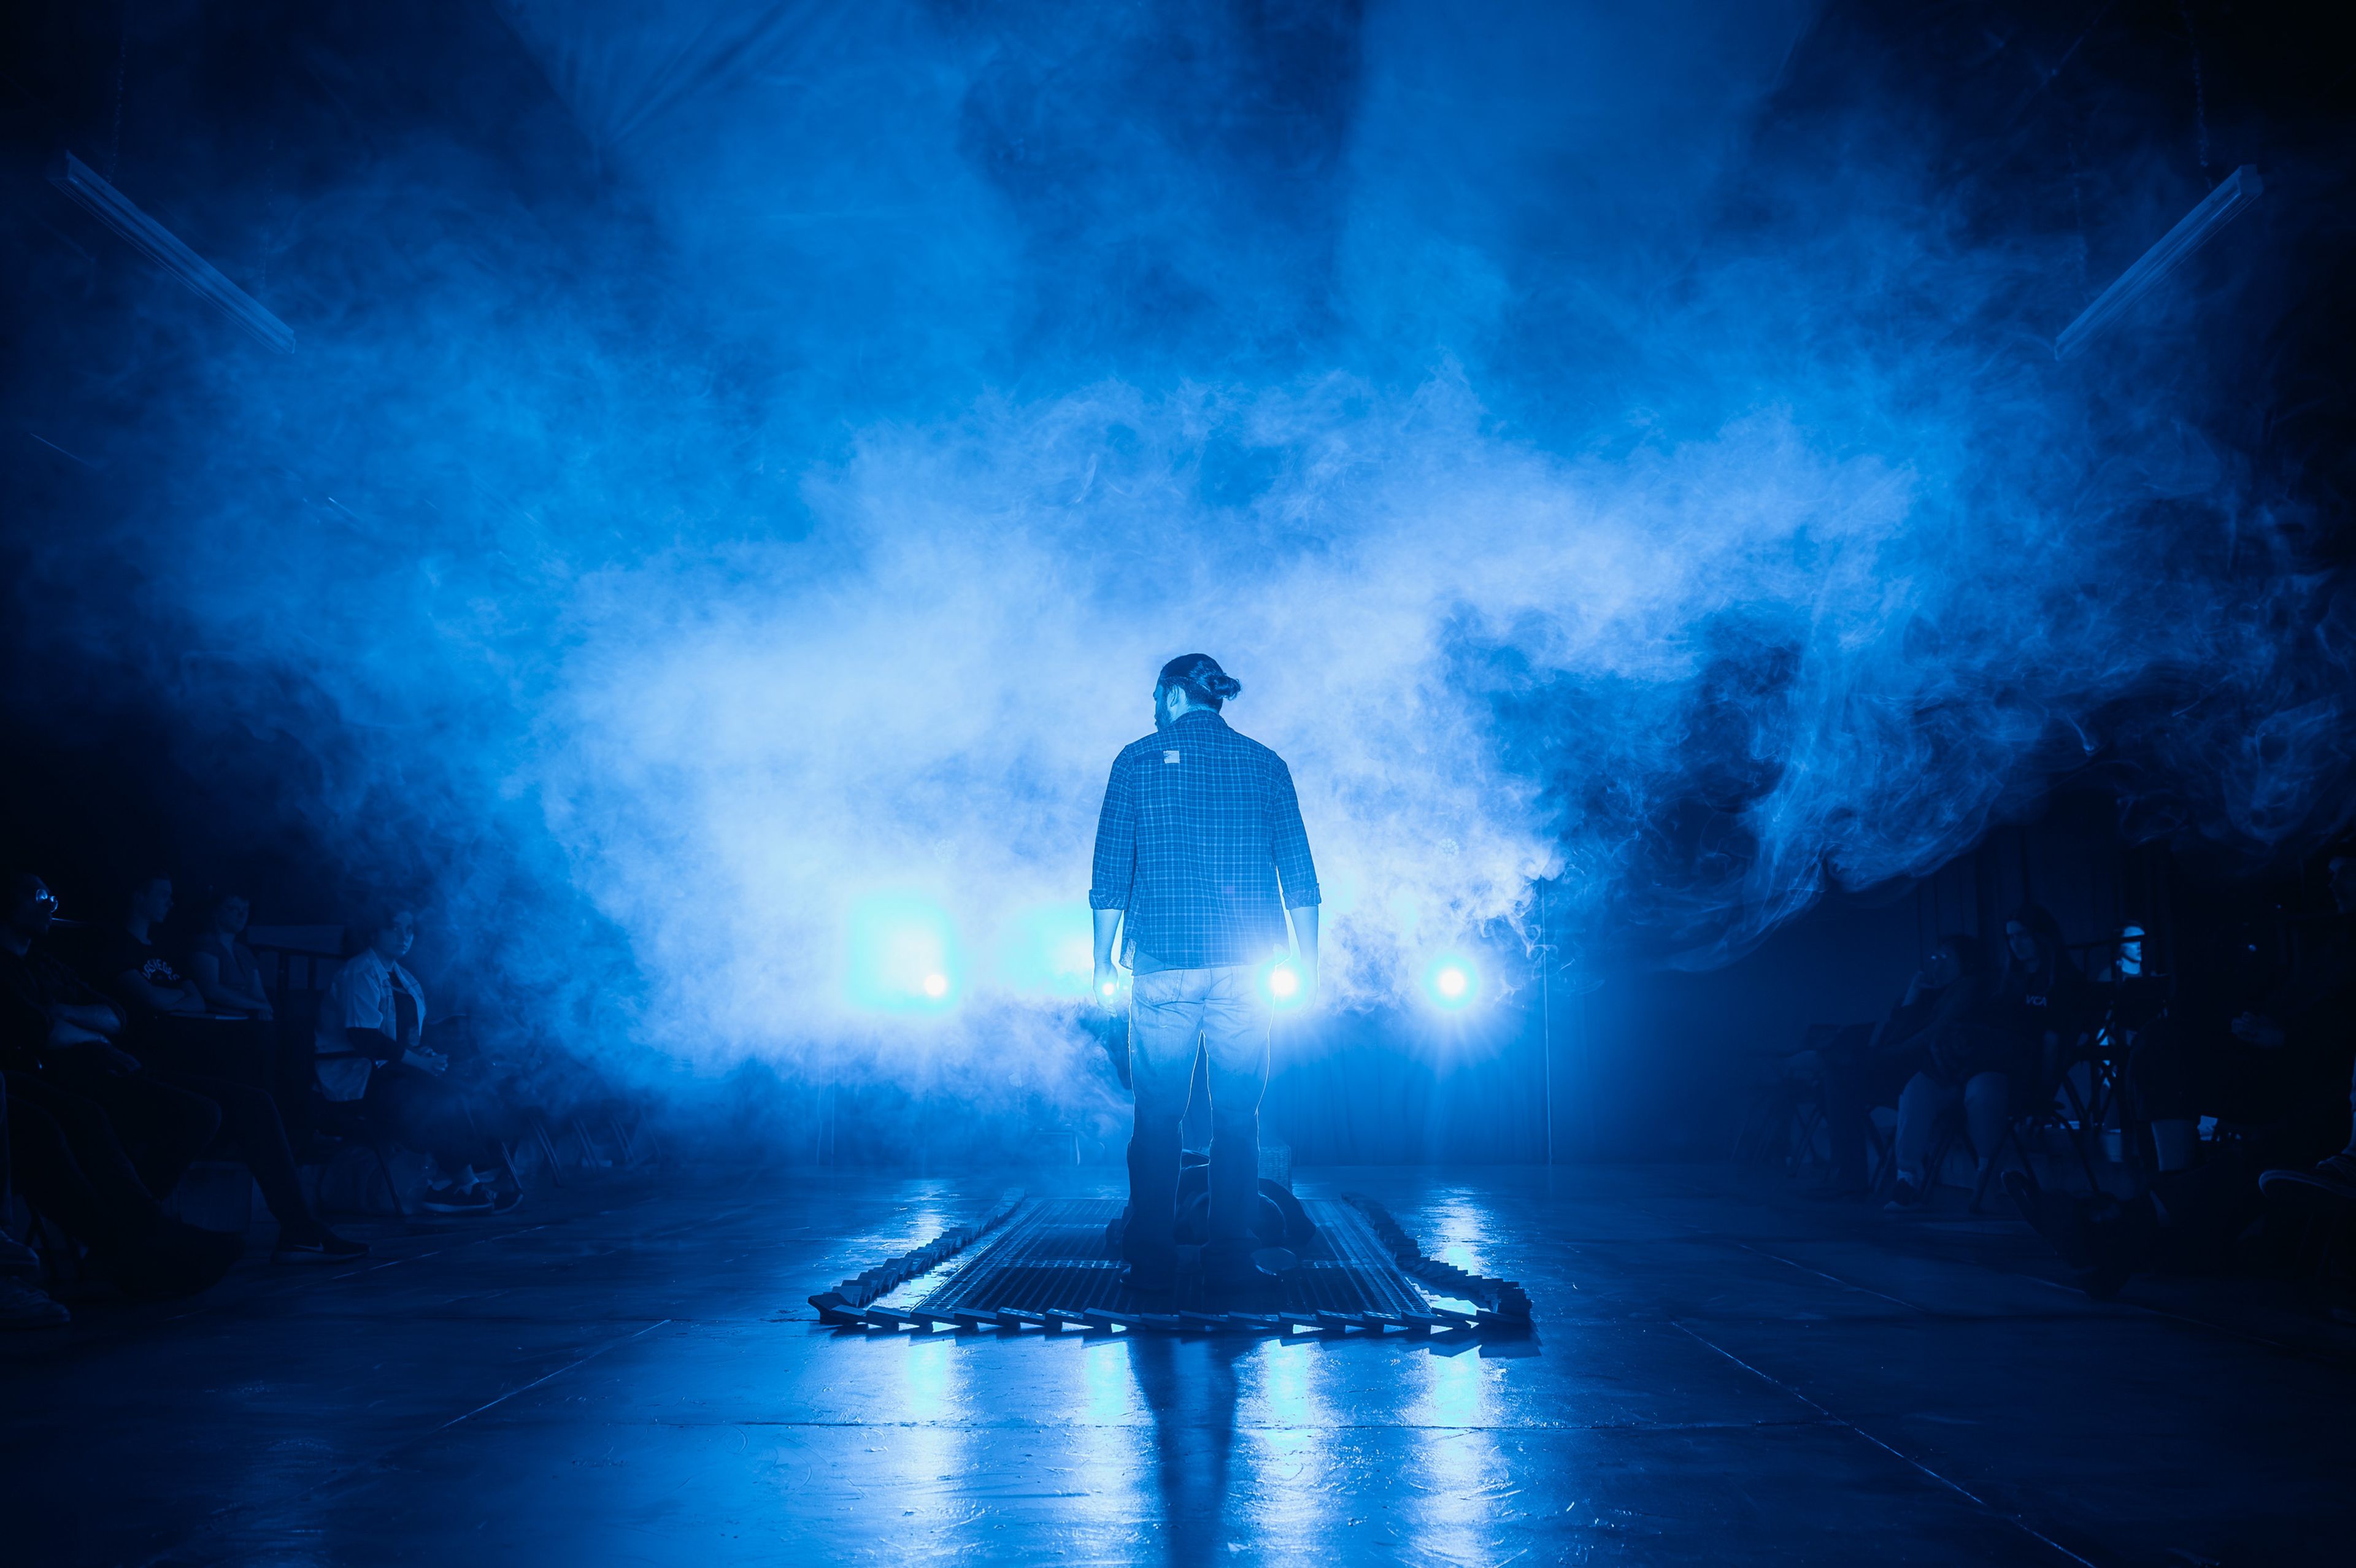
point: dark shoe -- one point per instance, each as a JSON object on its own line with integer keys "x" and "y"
{"x": 326, "y": 1247}
{"x": 1905, "y": 1196}
{"x": 2336, "y": 1176}
{"x": 456, "y": 1200}
{"x": 2058, "y": 1217}
{"x": 23, "y": 1306}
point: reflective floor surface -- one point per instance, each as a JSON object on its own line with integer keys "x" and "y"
{"x": 1721, "y": 1374}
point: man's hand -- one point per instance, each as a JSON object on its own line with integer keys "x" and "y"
{"x": 425, "y": 1060}
{"x": 188, "y": 1000}
{"x": 98, "y": 1017}
{"x": 95, "y": 1049}
{"x": 1105, "y": 987}
{"x": 2256, "y": 1028}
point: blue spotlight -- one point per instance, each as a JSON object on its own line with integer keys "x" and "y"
{"x": 1282, "y": 984}
{"x": 903, "y": 955}
{"x": 1451, "y": 982}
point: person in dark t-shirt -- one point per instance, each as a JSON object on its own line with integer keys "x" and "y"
{"x": 126, "y": 963}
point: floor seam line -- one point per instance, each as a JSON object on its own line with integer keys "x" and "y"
{"x": 1960, "y": 1490}
{"x": 550, "y": 1377}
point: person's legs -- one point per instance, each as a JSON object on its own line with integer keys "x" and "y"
{"x": 96, "y": 1151}
{"x": 429, "y": 1113}
{"x": 74, "y": 1169}
{"x": 2162, "y": 1090}
{"x": 1235, "y": 1048}
{"x": 1988, "y": 1107}
{"x": 250, "y": 1116}
{"x": 1165, "y": 1020}
{"x": 1847, "y": 1118}
{"x": 1852, "y": 1088}
{"x": 1919, "y": 1106}
{"x": 163, "y": 1128}
{"x": 55, "y": 1182}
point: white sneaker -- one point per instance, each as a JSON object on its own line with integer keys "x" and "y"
{"x": 22, "y": 1306}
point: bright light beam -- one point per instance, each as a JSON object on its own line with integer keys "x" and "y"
{"x": 1280, "y": 983}
{"x": 903, "y": 955}
{"x": 1452, "y": 983}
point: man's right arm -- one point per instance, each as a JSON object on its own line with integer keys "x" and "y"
{"x": 158, "y": 998}
{"x": 1112, "y": 875}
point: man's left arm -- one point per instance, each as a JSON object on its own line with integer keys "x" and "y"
{"x": 1296, "y": 872}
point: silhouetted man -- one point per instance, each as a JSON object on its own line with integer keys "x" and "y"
{"x": 1200, "y": 854}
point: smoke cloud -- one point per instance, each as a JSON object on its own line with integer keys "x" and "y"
{"x": 1584, "y": 486}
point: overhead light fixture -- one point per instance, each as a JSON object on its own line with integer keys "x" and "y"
{"x": 2236, "y": 191}
{"x": 164, "y": 248}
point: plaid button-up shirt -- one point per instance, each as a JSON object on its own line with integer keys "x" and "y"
{"x": 1201, "y": 842}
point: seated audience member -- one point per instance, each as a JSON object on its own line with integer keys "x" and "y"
{"x": 1995, "y": 1056}
{"x": 74, "y": 1172}
{"x": 64, "y": 1031}
{"x": 223, "y": 969}
{"x": 1946, "y": 989}
{"x": 251, "y": 1050}
{"x": 23, "y": 1302}
{"x": 62, "y": 1146}
{"x": 174, "y": 1023}
{"x": 2192, "y": 1213}
{"x": 2256, "y": 1069}
{"x": 375, "y": 1007}
{"x": 127, "y": 961}
{"x": 166, "y": 1117}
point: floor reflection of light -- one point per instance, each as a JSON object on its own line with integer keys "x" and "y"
{"x": 930, "y": 1462}
{"x": 1111, "y": 1386}
{"x": 1459, "y": 1478}
{"x": 1284, "y": 1442}
{"x": 1109, "y": 1463}
{"x": 1284, "y": 1384}
{"x": 1458, "y": 1235}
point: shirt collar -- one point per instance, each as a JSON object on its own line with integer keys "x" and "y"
{"x": 1210, "y": 714}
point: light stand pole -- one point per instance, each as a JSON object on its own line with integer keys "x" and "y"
{"x": 1545, "y": 1021}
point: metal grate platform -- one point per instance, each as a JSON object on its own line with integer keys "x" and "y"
{"x": 1048, "y": 1267}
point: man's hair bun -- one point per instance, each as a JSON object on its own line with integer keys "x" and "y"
{"x": 1201, "y": 678}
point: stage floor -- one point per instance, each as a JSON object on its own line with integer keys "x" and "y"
{"x": 1720, "y": 1374}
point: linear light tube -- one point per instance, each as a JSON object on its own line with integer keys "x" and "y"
{"x": 2236, "y": 191}
{"x": 161, "y": 246}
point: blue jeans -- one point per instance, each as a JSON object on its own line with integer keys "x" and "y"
{"x": 1173, "y": 1012}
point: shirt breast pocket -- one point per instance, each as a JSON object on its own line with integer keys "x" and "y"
{"x": 1161, "y": 787}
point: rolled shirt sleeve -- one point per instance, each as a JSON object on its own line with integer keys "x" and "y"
{"x": 1114, "y": 873}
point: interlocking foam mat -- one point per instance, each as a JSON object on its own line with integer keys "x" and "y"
{"x": 1046, "y": 1265}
